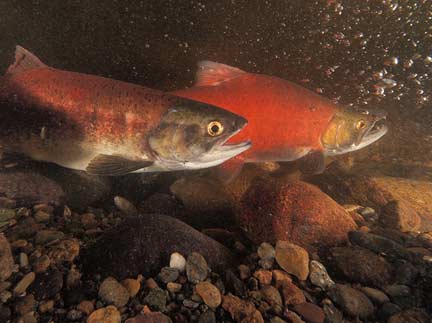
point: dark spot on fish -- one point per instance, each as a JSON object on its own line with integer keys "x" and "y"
{"x": 312, "y": 107}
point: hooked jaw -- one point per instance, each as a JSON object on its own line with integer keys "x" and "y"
{"x": 374, "y": 133}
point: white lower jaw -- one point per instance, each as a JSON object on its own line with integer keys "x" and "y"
{"x": 367, "y": 140}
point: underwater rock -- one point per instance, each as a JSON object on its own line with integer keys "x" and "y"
{"x": 352, "y": 301}
{"x": 310, "y": 312}
{"x": 47, "y": 284}
{"x": 152, "y": 317}
{"x": 205, "y": 202}
{"x": 6, "y": 259}
{"x": 410, "y": 316}
{"x": 32, "y": 182}
{"x": 404, "y": 204}
{"x": 241, "y": 310}
{"x": 107, "y": 314}
{"x": 293, "y": 259}
{"x": 112, "y": 292}
{"x": 363, "y": 266}
{"x": 151, "y": 239}
{"x": 293, "y": 211}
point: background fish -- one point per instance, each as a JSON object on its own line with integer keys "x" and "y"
{"x": 108, "y": 127}
{"x": 286, "y": 121}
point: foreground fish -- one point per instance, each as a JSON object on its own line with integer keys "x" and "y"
{"x": 108, "y": 127}
{"x": 286, "y": 121}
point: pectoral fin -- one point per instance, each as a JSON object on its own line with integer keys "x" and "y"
{"x": 111, "y": 165}
{"x": 230, "y": 169}
{"x": 312, "y": 163}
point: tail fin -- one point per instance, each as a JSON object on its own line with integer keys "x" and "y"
{"x": 24, "y": 61}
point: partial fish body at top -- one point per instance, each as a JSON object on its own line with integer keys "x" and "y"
{"x": 286, "y": 122}
{"x": 108, "y": 127}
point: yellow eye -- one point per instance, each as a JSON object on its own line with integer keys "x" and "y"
{"x": 361, "y": 124}
{"x": 215, "y": 128}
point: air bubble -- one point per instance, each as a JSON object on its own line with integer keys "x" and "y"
{"x": 391, "y": 61}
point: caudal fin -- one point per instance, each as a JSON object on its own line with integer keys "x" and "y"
{"x": 24, "y": 61}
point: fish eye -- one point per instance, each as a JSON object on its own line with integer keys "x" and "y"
{"x": 214, "y": 128}
{"x": 361, "y": 124}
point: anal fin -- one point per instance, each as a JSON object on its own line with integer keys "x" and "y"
{"x": 112, "y": 165}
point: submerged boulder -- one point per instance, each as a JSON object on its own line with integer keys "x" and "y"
{"x": 404, "y": 204}
{"x": 142, "y": 245}
{"x": 293, "y": 211}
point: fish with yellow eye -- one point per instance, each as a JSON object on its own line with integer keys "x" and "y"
{"x": 286, "y": 122}
{"x": 108, "y": 127}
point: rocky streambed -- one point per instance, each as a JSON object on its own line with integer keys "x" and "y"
{"x": 340, "y": 247}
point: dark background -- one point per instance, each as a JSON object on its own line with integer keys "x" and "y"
{"x": 337, "y": 48}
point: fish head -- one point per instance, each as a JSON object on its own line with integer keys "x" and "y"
{"x": 353, "y": 130}
{"x": 194, "y": 135}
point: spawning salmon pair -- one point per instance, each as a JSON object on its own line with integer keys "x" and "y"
{"x": 109, "y": 127}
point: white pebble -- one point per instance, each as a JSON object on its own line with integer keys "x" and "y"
{"x": 177, "y": 261}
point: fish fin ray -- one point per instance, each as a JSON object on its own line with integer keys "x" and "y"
{"x": 111, "y": 165}
{"x": 229, "y": 170}
{"x": 24, "y": 61}
{"x": 312, "y": 163}
{"x": 211, "y": 73}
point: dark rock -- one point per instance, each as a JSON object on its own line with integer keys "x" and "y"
{"x": 25, "y": 229}
{"x": 6, "y": 259}
{"x": 387, "y": 310}
{"x": 5, "y": 313}
{"x": 196, "y": 268}
{"x": 207, "y": 317}
{"x": 46, "y": 285}
{"x": 311, "y": 313}
{"x": 151, "y": 239}
{"x": 234, "y": 285}
{"x": 74, "y": 315}
{"x": 25, "y": 305}
{"x": 410, "y": 316}
{"x": 73, "y": 297}
{"x": 293, "y": 211}
{"x": 362, "y": 265}
{"x": 241, "y": 310}
{"x": 272, "y": 296}
{"x": 156, "y": 299}
{"x": 168, "y": 274}
{"x": 352, "y": 301}
{"x": 379, "y": 244}
{"x": 375, "y": 295}
{"x": 332, "y": 314}
{"x": 405, "y": 273}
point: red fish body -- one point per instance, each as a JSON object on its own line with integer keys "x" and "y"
{"x": 286, "y": 121}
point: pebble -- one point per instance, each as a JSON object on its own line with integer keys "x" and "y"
{"x": 41, "y": 264}
{"x": 25, "y": 305}
{"x": 125, "y": 206}
{"x": 264, "y": 276}
{"x": 377, "y": 296}
{"x": 280, "y": 278}
{"x": 28, "y": 318}
{"x": 23, "y": 260}
{"x": 190, "y": 304}
{"x": 107, "y": 314}
{"x": 209, "y": 293}
{"x": 47, "y": 306}
{"x": 387, "y": 310}
{"x": 74, "y": 315}
{"x": 272, "y": 296}
{"x": 244, "y": 272}
{"x": 89, "y": 221}
{"x": 156, "y": 299}
{"x": 266, "y": 263}
{"x": 276, "y": 319}
{"x": 266, "y": 251}
{"x": 7, "y": 203}
{"x": 177, "y": 261}
{"x": 410, "y": 316}
{"x": 5, "y": 313}
{"x": 352, "y": 301}
{"x": 241, "y": 310}
{"x": 151, "y": 317}
{"x": 174, "y": 287}
{"x": 42, "y": 216}
{"x": 112, "y": 292}
{"x": 132, "y": 285}
{"x": 207, "y": 317}
{"x": 168, "y": 274}
{"x": 5, "y": 296}
{"x": 73, "y": 278}
{"x": 234, "y": 284}
{"x": 311, "y": 313}
{"x": 151, "y": 283}
{"x": 86, "y": 307}
{"x": 64, "y": 251}
{"x": 6, "y": 259}
{"x": 292, "y": 294}
{"x": 45, "y": 236}
{"x": 293, "y": 259}
{"x": 7, "y": 214}
{"x": 24, "y": 283}
{"x": 318, "y": 275}
{"x": 397, "y": 290}
{"x": 196, "y": 268}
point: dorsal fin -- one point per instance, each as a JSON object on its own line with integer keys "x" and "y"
{"x": 211, "y": 73}
{"x": 24, "y": 61}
